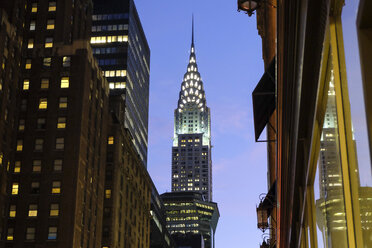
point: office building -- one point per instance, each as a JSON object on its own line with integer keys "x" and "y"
{"x": 189, "y": 215}
{"x": 191, "y": 151}
{"x": 126, "y": 212}
{"x": 10, "y": 48}
{"x": 120, "y": 45}
{"x": 56, "y": 175}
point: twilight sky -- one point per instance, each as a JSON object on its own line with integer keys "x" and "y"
{"x": 228, "y": 50}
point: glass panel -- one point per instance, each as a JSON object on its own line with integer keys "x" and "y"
{"x": 329, "y": 192}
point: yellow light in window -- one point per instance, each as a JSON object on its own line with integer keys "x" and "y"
{"x": 9, "y": 236}
{"x": 28, "y": 64}
{"x": 50, "y": 24}
{"x": 61, "y": 123}
{"x": 48, "y": 42}
{"x": 12, "y": 211}
{"x": 30, "y": 44}
{"x": 15, "y": 187}
{"x": 43, "y": 104}
{"x": 54, "y": 210}
{"x": 32, "y": 211}
{"x": 52, "y": 6}
{"x": 108, "y": 193}
{"x": 17, "y": 167}
{"x": 19, "y": 145}
{"x": 26, "y": 84}
{"x": 110, "y": 140}
{"x": 65, "y": 82}
{"x": 56, "y": 188}
{"x": 34, "y": 8}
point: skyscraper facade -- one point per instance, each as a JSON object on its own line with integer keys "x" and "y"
{"x": 121, "y": 48}
{"x": 191, "y": 151}
{"x": 54, "y": 194}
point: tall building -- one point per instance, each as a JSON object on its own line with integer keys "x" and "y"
{"x": 192, "y": 217}
{"x": 191, "y": 151}
{"x": 121, "y": 48}
{"x": 56, "y": 174}
{"x": 10, "y": 48}
{"x": 126, "y": 218}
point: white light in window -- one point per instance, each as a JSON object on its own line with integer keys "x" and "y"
{"x": 191, "y": 91}
{"x": 196, "y": 92}
{"x": 200, "y": 96}
{"x": 184, "y": 101}
{"x": 191, "y": 83}
{"x": 197, "y": 101}
{"x": 199, "y": 88}
{"x": 183, "y": 87}
{"x": 188, "y": 99}
{"x": 186, "y": 93}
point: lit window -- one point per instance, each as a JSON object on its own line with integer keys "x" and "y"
{"x": 30, "y": 233}
{"x": 50, "y": 24}
{"x": 17, "y": 167}
{"x": 52, "y": 6}
{"x": 19, "y": 145}
{"x": 47, "y": 62}
{"x": 65, "y": 82}
{"x": 36, "y": 166}
{"x": 21, "y": 125}
{"x": 44, "y": 83}
{"x": 52, "y": 233}
{"x": 32, "y": 210}
{"x": 12, "y": 211}
{"x": 110, "y": 140}
{"x": 108, "y": 193}
{"x": 62, "y": 102}
{"x": 26, "y": 84}
{"x": 34, "y": 8}
{"x": 56, "y": 187}
{"x": 32, "y": 25}
{"x": 66, "y": 61}
{"x": 30, "y": 44}
{"x": 28, "y": 64}
{"x": 61, "y": 122}
{"x": 10, "y": 234}
{"x": 54, "y": 209}
{"x": 43, "y": 103}
{"x": 60, "y": 143}
{"x": 57, "y": 165}
{"x": 48, "y": 42}
{"x": 15, "y": 187}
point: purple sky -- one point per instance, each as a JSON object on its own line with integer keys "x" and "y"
{"x": 229, "y": 57}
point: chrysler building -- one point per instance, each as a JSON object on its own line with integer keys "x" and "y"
{"x": 191, "y": 151}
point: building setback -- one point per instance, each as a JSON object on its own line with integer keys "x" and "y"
{"x": 56, "y": 177}
{"x": 188, "y": 216}
{"x": 121, "y": 48}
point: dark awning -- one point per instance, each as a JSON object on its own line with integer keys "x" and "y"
{"x": 263, "y": 98}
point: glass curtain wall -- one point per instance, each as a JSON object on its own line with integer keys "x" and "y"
{"x": 339, "y": 209}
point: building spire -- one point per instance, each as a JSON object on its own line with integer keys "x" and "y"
{"x": 192, "y": 37}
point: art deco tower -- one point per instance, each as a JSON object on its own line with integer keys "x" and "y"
{"x": 191, "y": 151}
